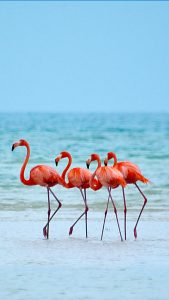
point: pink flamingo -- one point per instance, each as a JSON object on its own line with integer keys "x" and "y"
{"x": 41, "y": 175}
{"x": 131, "y": 173}
{"x": 108, "y": 177}
{"x": 79, "y": 178}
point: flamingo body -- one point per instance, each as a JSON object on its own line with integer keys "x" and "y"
{"x": 130, "y": 172}
{"x": 79, "y": 177}
{"x": 110, "y": 177}
{"x": 44, "y": 176}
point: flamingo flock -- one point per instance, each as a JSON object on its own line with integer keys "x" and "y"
{"x": 111, "y": 177}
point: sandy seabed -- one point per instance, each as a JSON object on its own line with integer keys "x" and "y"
{"x": 74, "y": 267}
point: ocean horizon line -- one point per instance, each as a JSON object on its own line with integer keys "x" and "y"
{"x": 86, "y": 112}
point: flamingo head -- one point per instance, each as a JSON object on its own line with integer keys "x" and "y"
{"x": 19, "y": 143}
{"x": 62, "y": 154}
{"x": 88, "y": 163}
{"x": 93, "y": 157}
{"x": 57, "y": 159}
{"x": 110, "y": 155}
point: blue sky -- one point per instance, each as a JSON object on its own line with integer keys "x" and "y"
{"x": 84, "y": 56}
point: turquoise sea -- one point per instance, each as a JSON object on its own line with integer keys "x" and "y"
{"x": 72, "y": 267}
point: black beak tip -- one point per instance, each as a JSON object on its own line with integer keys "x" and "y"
{"x": 105, "y": 164}
{"x": 87, "y": 165}
{"x": 56, "y": 162}
{"x": 13, "y": 147}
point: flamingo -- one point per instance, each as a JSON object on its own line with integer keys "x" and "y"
{"x": 131, "y": 174}
{"x": 79, "y": 178}
{"x": 108, "y": 177}
{"x": 42, "y": 175}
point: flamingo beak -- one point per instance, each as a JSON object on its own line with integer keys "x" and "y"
{"x": 87, "y": 165}
{"x": 105, "y": 162}
{"x": 58, "y": 159}
{"x": 13, "y": 147}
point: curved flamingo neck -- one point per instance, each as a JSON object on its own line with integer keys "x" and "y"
{"x": 97, "y": 157}
{"x": 22, "y": 172}
{"x": 68, "y": 155}
{"x": 113, "y": 155}
{"x": 95, "y": 184}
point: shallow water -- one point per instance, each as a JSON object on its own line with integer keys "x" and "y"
{"x": 76, "y": 268}
{"x": 73, "y": 267}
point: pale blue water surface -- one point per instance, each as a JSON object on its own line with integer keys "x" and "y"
{"x": 72, "y": 267}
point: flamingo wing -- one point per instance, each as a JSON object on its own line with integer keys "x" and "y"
{"x": 44, "y": 175}
{"x": 131, "y": 172}
{"x": 79, "y": 177}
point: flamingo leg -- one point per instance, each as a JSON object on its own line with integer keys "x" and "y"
{"x": 145, "y": 201}
{"x": 85, "y": 201}
{"x": 125, "y": 211}
{"x": 105, "y": 215}
{"x": 84, "y": 213}
{"x": 115, "y": 211}
{"x": 45, "y": 228}
{"x": 49, "y": 210}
